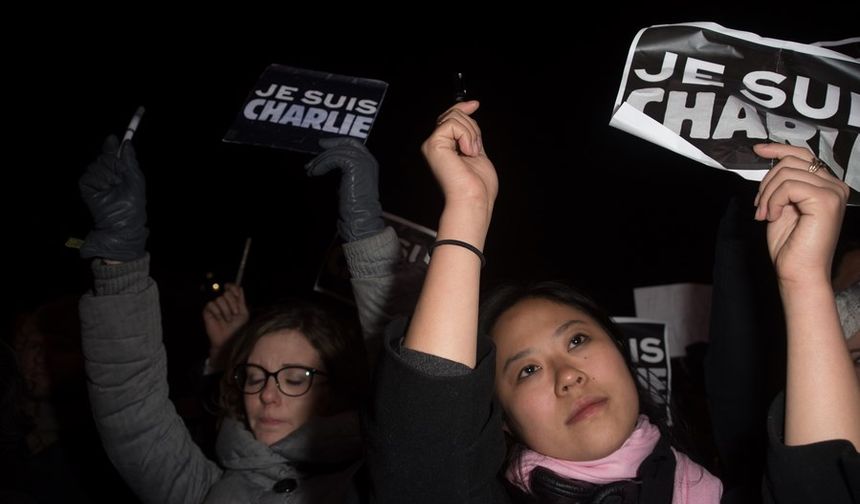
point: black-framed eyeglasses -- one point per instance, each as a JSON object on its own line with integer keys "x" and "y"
{"x": 291, "y": 381}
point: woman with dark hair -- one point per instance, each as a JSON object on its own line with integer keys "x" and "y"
{"x": 502, "y": 298}
{"x": 599, "y": 355}
{"x": 292, "y": 386}
{"x": 340, "y": 352}
{"x": 552, "y": 375}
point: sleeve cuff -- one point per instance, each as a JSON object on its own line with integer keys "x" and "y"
{"x": 374, "y": 256}
{"x": 424, "y": 363}
{"x": 123, "y": 278}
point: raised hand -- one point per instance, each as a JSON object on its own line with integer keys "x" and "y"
{"x": 223, "y": 317}
{"x": 455, "y": 153}
{"x": 804, "y": 205}
{"x": 114, "y": 190}
{"x": 360, "y": 214}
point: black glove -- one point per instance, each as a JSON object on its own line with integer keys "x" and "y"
{"x": 114, "y": 190}
{"x": 360, "y": 211}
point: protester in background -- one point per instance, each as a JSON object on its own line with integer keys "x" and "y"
{"x": 846, "y": 282}
{"x": 745, "y": 363}
{"x": 384, "y": 284}
{"x": 295, "y": 434}
{"x": 47, "y": 428}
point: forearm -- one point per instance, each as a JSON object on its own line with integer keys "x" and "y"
{"x": 445, "y": 322}
{"x": 376, "y": 276}
{"x": 822, "y": 390}
{"x": 126, "y": 367}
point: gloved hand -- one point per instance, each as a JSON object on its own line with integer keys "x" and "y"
{"x": 360, "y": 212}
{"x": 114, "y": 190}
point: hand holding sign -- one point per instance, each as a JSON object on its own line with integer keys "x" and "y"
{"x": 360, "y": 212}
{"x": 710, "y": 93}
{"x": 804, "y": 208}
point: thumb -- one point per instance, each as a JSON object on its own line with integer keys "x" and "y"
{"x": 341, "y": 141}
{"x": 324, "y": 163}
{"x": 111, "y": 145}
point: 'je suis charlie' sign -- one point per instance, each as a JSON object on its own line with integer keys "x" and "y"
{"x": 711, "y": 93}
{"x": 292, "y": 108}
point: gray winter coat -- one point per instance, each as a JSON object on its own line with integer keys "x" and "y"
{"x": 147, "y": 440}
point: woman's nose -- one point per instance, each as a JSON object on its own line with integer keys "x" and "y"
{"x": 270, "y": 392}
{"x": 567, "y": 378}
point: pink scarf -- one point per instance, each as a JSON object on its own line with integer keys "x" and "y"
{"x": 693, "y": 483}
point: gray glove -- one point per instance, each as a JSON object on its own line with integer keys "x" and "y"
{"x": 360, "y": 212}
{"x": 114, "y": 190}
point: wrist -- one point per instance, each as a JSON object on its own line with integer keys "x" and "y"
{"x": 477, "y": 202}
{"x": 215, "y": 356}
{"x": 805, "y": 288}
{"x": 468, "y": 224}
{"x": 459, "y": 243}
{"x": 805, "y": 280}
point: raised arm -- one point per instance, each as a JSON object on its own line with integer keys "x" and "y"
{"x": 223, "y": 318}
{"x": 121, "y": 334}
{"x": 382, "y": 284}
{"x": 804, "y": 206}
{"x": 359, "y": 211}
{"x": 445, "y": 322}
{"x": 433, "y": 432}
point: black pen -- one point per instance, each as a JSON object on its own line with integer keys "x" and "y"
{"x": 459, "y": 88}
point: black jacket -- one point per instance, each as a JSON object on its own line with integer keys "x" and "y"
{"x": 435, "y": 435}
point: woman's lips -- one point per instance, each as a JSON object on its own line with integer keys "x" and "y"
{"x": 269, "y": 421}
{"x": 586, "y": 409}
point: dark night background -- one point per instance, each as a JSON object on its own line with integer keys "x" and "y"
{"x": 578, "y": 200}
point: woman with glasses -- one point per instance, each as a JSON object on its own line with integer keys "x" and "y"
{"x": 295, "y": 376}
{"x": 293, "y": 362}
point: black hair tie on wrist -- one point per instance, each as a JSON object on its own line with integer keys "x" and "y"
{"x": 459, "y": 243}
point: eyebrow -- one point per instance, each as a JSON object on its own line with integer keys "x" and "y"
{"x": 282, "y": 366}
{"x": 560, "y": 330}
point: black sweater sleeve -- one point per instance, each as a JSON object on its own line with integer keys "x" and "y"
{"x": 434, "y": 436}
{"x": 827, "y": 471}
